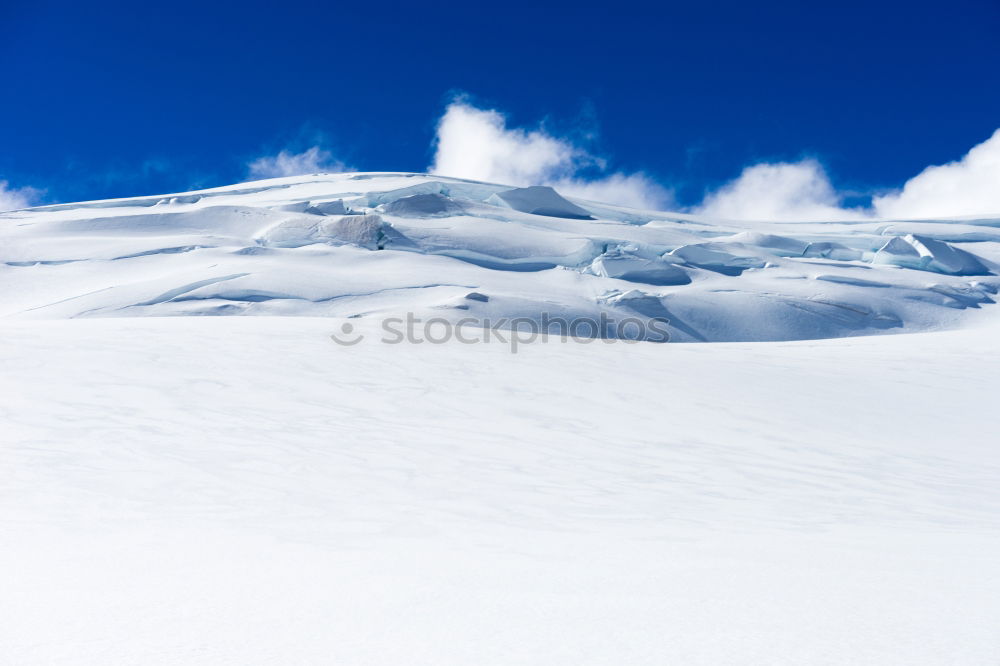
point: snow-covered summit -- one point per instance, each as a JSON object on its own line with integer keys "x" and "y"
{"x": 370, "y": 244}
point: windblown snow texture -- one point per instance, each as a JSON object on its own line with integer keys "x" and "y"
{"x": 368, "y": 245}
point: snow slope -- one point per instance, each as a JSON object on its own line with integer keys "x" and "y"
{"x": 243, "y": 490}
{"x": 364, "y": 245}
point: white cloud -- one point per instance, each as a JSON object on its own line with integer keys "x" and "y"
{"x": 782, "y": 191}
{"x": 285, "y": 163}
{"x": 477, "y": 144}
{"x": 12, "y": 198}
{"x": 970, "y": 186}
{"x": 802, "y": 191}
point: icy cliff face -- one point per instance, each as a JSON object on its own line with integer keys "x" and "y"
{"x": 375, "y": 244}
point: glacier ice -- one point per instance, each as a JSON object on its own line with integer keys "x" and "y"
{"x": 624, "y": 265}
{"x": 539, "y": 200}
{"x": 369, "y": 245}
{"x": 190, "y": 489}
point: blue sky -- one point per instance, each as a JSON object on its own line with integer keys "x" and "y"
{"x": 114, "y": 99}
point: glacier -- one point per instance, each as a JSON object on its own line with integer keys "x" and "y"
{"x": 194, "y": 472}
{"x": 304, "y": 246}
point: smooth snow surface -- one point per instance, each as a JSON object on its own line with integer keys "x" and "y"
{"x": 242, "y": 490}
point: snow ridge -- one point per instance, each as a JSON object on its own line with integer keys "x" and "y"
{"x": 374, "y": 244}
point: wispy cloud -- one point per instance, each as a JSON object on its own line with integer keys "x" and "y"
{"x": 13, "y": 198}
{"x": 780, "y": 191}
{"x": 287, "y": 163}
{"x": 634, "y": 189}
{"x": 476, "y": 144}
